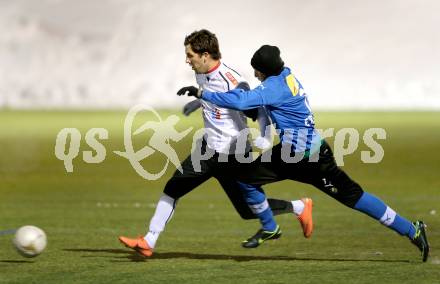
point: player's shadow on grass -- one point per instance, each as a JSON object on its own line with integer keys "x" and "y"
{"x": 15, "y": 261}
{"x": 135, "y": 257}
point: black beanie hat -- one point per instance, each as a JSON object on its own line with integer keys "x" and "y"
{"x": 267, "y": 60}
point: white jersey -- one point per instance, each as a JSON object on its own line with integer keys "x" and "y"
{"x": 222, "y": 125}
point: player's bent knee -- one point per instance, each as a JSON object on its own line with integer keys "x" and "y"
{"x": 171, "y": 189}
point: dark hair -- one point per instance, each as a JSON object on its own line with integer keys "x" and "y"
{"x": 204, "y": 41}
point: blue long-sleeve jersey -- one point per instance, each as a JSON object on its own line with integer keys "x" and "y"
{"x": 285, "y": 99}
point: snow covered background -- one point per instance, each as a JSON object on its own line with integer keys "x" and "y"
{"x": 116, "y": 53}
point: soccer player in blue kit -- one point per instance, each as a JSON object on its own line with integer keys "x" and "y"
{"x": 301, "y": 155}
{"x": 222, "y": 131}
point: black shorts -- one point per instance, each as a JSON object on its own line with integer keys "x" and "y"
{"x": 184, "y": 182}
{"x": 324, "y": 174}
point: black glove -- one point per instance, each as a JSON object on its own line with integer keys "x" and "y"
{"x": 191, "y": 107}
{"x": 190, "y": 91}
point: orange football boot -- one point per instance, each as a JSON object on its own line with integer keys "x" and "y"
{"x": 305, "y": 218}
{"x": 139, "y": 244}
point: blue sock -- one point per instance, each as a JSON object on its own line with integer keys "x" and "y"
{"x": 257, "y": 202}
{"x": 266, "y": 220}
{"x": 376, "y": 208}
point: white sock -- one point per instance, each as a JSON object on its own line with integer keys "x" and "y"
{"x": 298, "y": 207}
{"x": 164, "y": 212}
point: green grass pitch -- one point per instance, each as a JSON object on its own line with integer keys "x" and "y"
{"x": 84, "y": 212}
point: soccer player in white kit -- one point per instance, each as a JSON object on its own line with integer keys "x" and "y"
{"x": 222, "y": 131}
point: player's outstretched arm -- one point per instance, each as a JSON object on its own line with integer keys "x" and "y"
{"x": 235, "y": 99}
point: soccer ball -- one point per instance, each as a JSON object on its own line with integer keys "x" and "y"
{"x": 30, "y": 241}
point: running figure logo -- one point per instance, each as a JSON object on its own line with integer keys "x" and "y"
{"x": 163, "y": 132}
